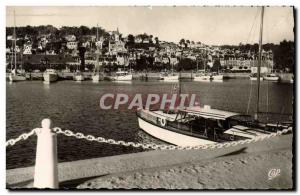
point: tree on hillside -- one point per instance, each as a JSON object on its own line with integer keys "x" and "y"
{"x": 156, "y": 40}
{"x": 182, "y": 42}
{"x": 143, "y": 37}
{"x": 284, "y": 57}
{"x": 216, "y": 66}
{"x": 130, "y": 38}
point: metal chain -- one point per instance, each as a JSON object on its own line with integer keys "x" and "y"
{"x": 23, "y": 136}
{"x": 92, "y": 138}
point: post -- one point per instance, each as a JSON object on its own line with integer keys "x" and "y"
{"x": 46, "y": 171}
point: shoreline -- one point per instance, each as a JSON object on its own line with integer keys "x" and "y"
{"x": 284, "y": 77}
{"x": 79, "y": 173}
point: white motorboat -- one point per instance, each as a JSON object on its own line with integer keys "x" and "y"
{"x": 202, "y": 76}
{"x": 206, "y": 78}
{"x": 217, "y": 77}
{"x": 197, "y": 126}
{"x": 79, "y": 76}
{"x": 122, "y": 76}
{"x": 96, "y": 78}
{"x": 253, "y": 77}
{"x": 271, "y": 77}
{"x": 50, "y": 75}
{"x": 14, "y": 77}
{"x": 169, "y": 77}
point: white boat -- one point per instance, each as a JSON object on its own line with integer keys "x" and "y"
{"x": 122, "y": 76}
{"x": 169, "y": 77}
{"x": 253, "y": 77}
{"x": 79, "y": 76}
{"x": 50, "y": 75}
{"x": 96, "y": 78}
{"x": 217, "y": 77}
{"x": 271, "y": 77}
{"x": 202, "y": 77}
{"x": 165, "y": 76}
{"x": 197, "y": 126}
{"x": 14, "y": 77}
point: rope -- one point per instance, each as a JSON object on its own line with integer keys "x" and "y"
{"x": 249, "y": 100}
{"x": 249, "y": 35}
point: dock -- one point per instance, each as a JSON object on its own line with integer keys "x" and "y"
{"x": 106, "y": 172}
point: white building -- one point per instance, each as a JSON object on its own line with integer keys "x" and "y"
{"x": 72, "y": 45}
{"x": 27, "y": 48}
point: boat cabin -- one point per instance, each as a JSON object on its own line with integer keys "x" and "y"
{"x": 211, "y": 124}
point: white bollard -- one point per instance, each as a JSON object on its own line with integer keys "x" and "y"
{"x": 46, "y": 171}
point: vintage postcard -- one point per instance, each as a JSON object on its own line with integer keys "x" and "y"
{"x": 159, "y": 97}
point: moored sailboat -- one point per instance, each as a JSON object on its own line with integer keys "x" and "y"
{"x": 202, "y": 75}
{"x": 96, "y": 77}
{"x": 15, "y": 75}
{"x": 191, "y": 126}
{"x": 165, "y": 76}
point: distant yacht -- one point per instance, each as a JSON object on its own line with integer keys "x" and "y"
{"x": 169, "y": 76}
{"x": 216, "y": 76}
{"x": 253, "y": 77}
{"x": 122, "y": 76}
{"x": 78, "y": 76}
{"x": 271, "y": 77}
{"x": 202, "y": 76}
{"x": 96, "y": 77}
{"x": 50, "y": 75}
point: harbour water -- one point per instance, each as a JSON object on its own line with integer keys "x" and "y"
{"x": 75, "y": 106}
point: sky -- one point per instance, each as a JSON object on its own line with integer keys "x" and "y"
{"x": 209, "y": 25}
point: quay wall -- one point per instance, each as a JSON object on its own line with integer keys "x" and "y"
{"x": 77, "y": 172}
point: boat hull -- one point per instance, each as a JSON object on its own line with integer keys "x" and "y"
{"x": 79, "y": 78}
{"x": 217, "y": 77}
{"x": 170, "y": 78}
{"x": 123, "y": 78}
{"x": 255, "y": 78}
{"x": 96, "y": 78}
{"x": 271, "y": 78}
{"x": 50, "y": 77}
{"x": 202, "y": 78}
{"x": 14, "y": 78}
{"x": 170, "y": 136}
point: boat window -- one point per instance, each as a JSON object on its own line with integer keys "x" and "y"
{"x": 240, "y": 120}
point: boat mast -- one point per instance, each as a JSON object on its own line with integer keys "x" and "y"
{"x": 197, "y": 63}
{"x": 259, "y": 62}
{"x": 97, "y": 56}
{"x": 15, "y": 44}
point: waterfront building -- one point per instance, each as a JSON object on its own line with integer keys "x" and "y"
{"x": 72, "y": 45}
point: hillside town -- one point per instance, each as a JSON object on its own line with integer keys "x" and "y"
{"x": 38, "y": 48}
